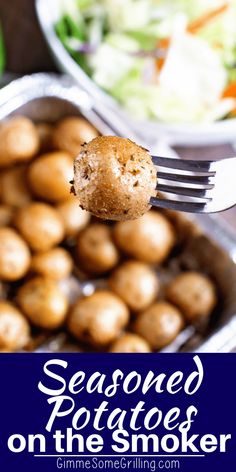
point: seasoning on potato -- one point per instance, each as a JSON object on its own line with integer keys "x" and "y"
{"x": 15, "y": 190}
{"x": 194, "y": 294}
{"x": 14, "y": 255}
{"x": 148, "y": 239}
{"x": 114, "y": 178}
{"x": 73, "y": 217}
{"x": 43, "y": 302}
{"x": 14, "y": 328}
{"x": 50, "y": 175}
{"x": 96, "y": 251}
{"x": 129, "y": 342}
{"x": 40, "y": 225}
{"x": 56, "y": 263}
{"x": 69, "y": 133}
{"x": 159, "y": 324}
{"x": 136, "y": 283}
{"x": 98, "y": 319}
{"x": 19, "y": 141}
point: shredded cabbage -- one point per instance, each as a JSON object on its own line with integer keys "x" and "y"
{"x": 146, "y": 55}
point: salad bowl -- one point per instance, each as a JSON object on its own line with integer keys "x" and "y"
{"x": 213, "y": 129}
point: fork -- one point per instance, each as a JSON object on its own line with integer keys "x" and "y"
{"x": 199, "y": 186}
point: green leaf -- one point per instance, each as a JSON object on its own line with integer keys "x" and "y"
{"x": 2, "y": 52}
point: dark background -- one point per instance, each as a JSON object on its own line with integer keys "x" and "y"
{"x": 27, "y": 52}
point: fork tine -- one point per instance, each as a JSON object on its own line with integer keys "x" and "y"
{"x": 181, "y": 164}
{"x": 188, "y": 192}
{"x": 187, "y": 179}
{"x": 189, "y": 207}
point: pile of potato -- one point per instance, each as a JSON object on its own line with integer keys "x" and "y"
{"x": 45, "y": 237}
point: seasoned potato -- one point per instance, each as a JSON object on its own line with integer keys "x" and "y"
{"x": 40, "y": 225}
{"x": 159, "y": 324}
{"x": 194, "y": 294}
{"x": 96, "y": 251}
{"x": 74, "y": 218}
{"x": 14, "y": 255}
{"x": 135, "y": 283}
{"x": 71, "y": 132}
{"x": 45, "y": 136}
{"x": 129, "y": 342}
{"x": 14, "y": 328}
{"x": 148, "y": 239}
{"x": 50, "y": 175}
{"x": 6, "y": 215}
{"x": 42, "y": 301}
{"x": 114, "y": 178}
{"x": 98, "y": 319}
{"x": 56, "y": 263}
{"x": 15, "y": 190}
{"x": 19, "y": 141}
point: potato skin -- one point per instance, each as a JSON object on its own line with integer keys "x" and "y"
{"x": 40, "y": 225}
{"x": 42, "y": 301}
{"x": 96, "y": 251}
{"x": 15, "y": 190}
{"x": 70, "y": 133}
{"x": 159, "y": 324}
{"x": 73, "y": 217}
{"x": 135, "y": 283}
{"x": 14, "y": 255}
{"x": 194, "y": 294}
{"x": 45, "y": 136}
{"x": 56, "y": 263}
{"x": 114, "y": 178}
{"x": 19, "y": 141}
{"x": 98, "y": 319}
{"x": 50, "y": 175}
{"x": 6, "y": 215}
{"x": 148, "y": 239}
{"x": 130, "y": 342}
{"x": 14, "y": 328}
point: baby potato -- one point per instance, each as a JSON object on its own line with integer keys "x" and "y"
{"x": 42, "y": 301}
{"x": 73, "y": 217}
{"x": 45, "y": 135}
{"x": 129, "y": 342}
{"x": 14, "y": 328}
{"x": 98, "y": 319}
{"x": 14, "y": 255}
{"x": 15, "y": 190}
{"x": 148, "y": 239}
{"x": 159, "y": 324}
{"x": 71, "y": 132}
{"x": 114, "y": 178}
{"x": 56, "y": 263}
{"x": 19, "y": 141}
{"x": 135, "y": 283}
{"x": 49, "y": 176}
{"x": 6, "y": 215}
{"x": 40, "y": 225}
{"x": 194, "y": 294}
{"x": 95, "y": 249}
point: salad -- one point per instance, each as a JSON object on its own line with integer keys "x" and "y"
{"x": 171, "y": 61}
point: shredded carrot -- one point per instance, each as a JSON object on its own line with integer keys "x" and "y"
{"x": 230, "y": 90}
{"x": 199, "y": 23}
{"x": 193, "y": 27}
{"x": 162, "y": 44}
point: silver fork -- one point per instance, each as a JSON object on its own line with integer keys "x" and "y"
{"x": 199, "y": 186}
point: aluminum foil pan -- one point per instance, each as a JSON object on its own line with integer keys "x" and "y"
{"x": 208, "y": 246}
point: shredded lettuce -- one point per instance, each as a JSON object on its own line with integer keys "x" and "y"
{"x": 187, "y": 85}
